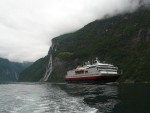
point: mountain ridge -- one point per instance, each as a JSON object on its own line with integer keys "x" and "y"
{"x": 123, "y": 40}
{"x": 9, "y": 71}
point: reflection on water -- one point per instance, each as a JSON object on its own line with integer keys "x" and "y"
{"x": 74, "y": 98}
{"x": 102, "y": 97}
{"x": 134, "y": 98}
{"x": 113, "y": 98}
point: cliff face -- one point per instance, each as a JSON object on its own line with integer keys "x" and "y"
{"x": 49, "y": 67}
{"x": 9, "y": 71}
{"x": 123, "y": 40}
{"x": 35, "y": 72}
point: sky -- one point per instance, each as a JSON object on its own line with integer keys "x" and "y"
{"x": 27, "y": 26}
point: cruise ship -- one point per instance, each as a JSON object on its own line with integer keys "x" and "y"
{"x": 93, "y": 73}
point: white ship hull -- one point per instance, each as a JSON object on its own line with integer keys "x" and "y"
{"x": 92, "y": 74}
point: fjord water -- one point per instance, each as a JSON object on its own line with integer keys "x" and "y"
{"x": 74, "y": 98}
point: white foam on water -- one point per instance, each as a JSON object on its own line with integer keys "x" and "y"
{"x": 92, "y": 110}
{"x": 41, "y": 99}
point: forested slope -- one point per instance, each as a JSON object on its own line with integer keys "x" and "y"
{"x": 123, "y": 40}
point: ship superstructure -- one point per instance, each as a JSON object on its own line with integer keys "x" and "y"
{"x": 96, "y": 72}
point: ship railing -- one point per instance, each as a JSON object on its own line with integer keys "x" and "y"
{"x": 113, "y": 70}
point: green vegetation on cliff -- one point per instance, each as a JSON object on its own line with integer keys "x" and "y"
{"x": 9, "y": 71}
{"x": 123, "y": 40}
{"x": 35, "y": 72}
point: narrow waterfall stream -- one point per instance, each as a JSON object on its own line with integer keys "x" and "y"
{"x": 48, "y": 70}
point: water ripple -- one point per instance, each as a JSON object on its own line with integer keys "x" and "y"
{"x": 39, "y": 98}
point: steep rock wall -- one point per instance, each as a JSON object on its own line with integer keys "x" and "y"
{"x": 123, "y": 40}
{"x": 9, "y": 71}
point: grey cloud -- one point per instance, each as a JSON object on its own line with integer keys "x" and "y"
{"x": 27, "y": 26}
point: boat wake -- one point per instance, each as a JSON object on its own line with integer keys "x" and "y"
{"x": 40, "y": 98}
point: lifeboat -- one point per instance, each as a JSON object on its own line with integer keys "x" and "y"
{"x": 80, "y": 70}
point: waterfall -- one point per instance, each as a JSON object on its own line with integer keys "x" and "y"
{"x": 48, "y": 70}
{"x": 16, "y": 76}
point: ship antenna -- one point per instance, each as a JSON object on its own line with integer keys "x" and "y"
{"x": 97, "y": 59}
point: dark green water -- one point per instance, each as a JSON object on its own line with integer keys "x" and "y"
{"x": 74, "y": 98}
{"x": 114, "y": 98}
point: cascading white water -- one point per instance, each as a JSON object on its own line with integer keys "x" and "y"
{"x": 48, "y": 70}
{"x": 16, "y": 76}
